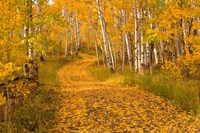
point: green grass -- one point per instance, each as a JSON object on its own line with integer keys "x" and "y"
{"x": 49, "y": 68}
{"x": 38, "y": 112}
{"x": 183, "y": 93}
{"x": 100, "y": 73}
{"x": 89, "y": 51}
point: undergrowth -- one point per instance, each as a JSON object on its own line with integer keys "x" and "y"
{"x": 38, "y": 112}
{"x": 183, "y": 93}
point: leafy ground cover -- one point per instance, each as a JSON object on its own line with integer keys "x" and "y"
{"x": 38, "y": 112}
{"x": 182, "y": 92}
{"x": 91, "y": 105}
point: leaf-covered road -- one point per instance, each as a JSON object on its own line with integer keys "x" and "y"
{"x": 91, "y": 106}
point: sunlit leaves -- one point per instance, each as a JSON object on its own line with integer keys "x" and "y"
{"x": 152, "y": 36}
{"x": 7, "y": 70}
{"x": 119, "y": 110}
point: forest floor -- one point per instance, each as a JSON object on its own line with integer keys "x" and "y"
{"x": 89, "y": 105}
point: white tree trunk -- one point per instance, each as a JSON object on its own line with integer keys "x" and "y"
{"x": 155, "y": 53}
{"x": 142, "y": 50}
{"x": 107, "y": 47}
{"x": 126, "y": 42}
{"x": 71, "y": 42}
{"x": 162, "y": 51}
{"x": 66, "y": 43}
{"x": 77, "y": 35}
{"x": 184, "y": 35}
{"x": 103, "y": 57}
{"x": 136, "y": 40}
{"x": 96, "y": 49}
{"x": 154, "y": 47}
{"x": 147, "y": 55}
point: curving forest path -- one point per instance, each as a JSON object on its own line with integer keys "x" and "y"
{"x": 92, "y": 106}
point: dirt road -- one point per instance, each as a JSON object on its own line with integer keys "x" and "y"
{"x": 90, "y": 106}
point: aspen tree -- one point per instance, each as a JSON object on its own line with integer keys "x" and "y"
{"x": 96, "y": 46}
{"x": 96, "y": 49}
{"x": 27, "y": 35}
{"x": 67, "y": 41}
{"x": 107, "y": 47}
{"x": 126, "y": 43}
{"x": 136, "y": 34}
{"x": 68, "y": 30}
{"x": 77, "y": 29}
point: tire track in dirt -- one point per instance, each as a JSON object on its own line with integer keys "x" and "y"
{"x": 92, "y": 106}
{"x": 75, "y": 74}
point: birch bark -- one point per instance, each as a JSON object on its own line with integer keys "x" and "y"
{"x": 136, "y": 30}
{"x": 107, "y": 47}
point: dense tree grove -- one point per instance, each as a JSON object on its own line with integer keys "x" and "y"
{"x": 144, "y": 34}
{"x": 140, "y": 35}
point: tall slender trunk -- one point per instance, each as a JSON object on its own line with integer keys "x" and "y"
{"x": 155, "y": 53}
{"x": 8, "y": 110}
{"x": 126, "y": 41}
{"x": 140, "y": 39}
{"x": 29, "y": 27}
{"x": 111, "y": 55}
{"x": 77, "y": 35}
{"x": 147, "y": 54}
{"x": 114, "y": 55}
{"x": 107, "y": 46}
{"x": 177, "y": 45}
{"x": 123, "y": 55}
{"x": 71, "y": 42}
{"x": 27, "y": 34}
{"x": 162, "y": 51}
{"x": 183, "y": 36}
{"x": 151, "y": 58}
{"x": 136, "y": 31}
{"x": 66, "y": 43}
{"x": 173, "y": 52}
{"x": 103, "y": 57}
{"x": 96, "y": 48}
{"x": 142, "y": 50}
{"x": 154, "y": 45}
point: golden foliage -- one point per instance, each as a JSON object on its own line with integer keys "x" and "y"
{"x": 89, "y": 105}
{"x": 7, "y": 70}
